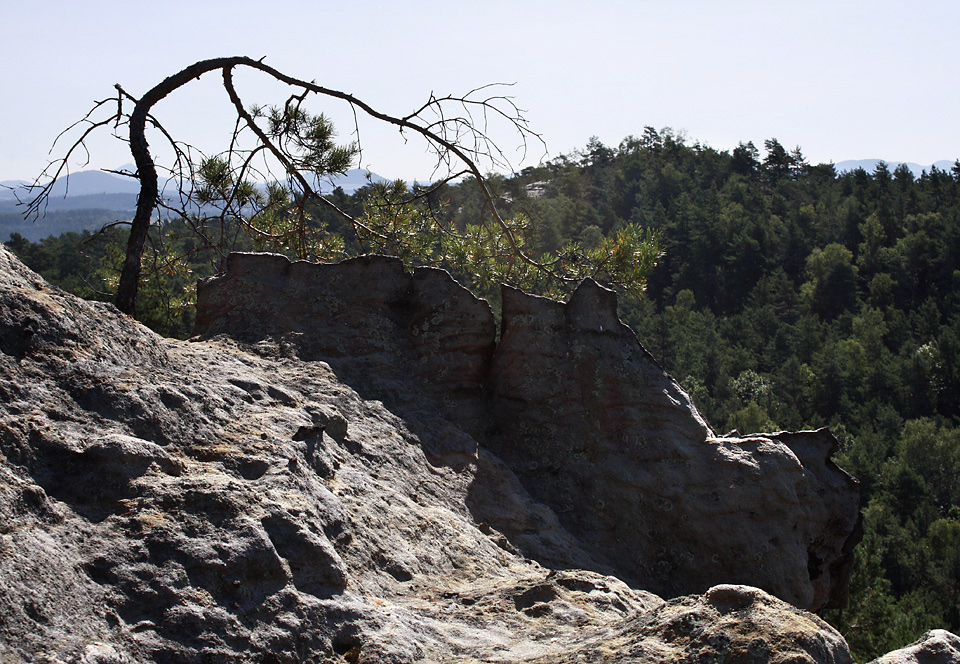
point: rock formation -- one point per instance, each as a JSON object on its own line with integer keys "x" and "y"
{"x": 575, "y": 406}
{"x": 352, "y": 469}
{"x": 937, "y": 646}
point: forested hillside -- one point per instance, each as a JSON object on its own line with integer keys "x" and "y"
{"x": 787, "y": 297}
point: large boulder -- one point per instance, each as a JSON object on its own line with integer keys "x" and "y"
{"x": 937, "y": 646}
{"x": 728, "y": 623}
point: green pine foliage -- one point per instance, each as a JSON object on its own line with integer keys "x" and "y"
{"x": 785, "y": 296}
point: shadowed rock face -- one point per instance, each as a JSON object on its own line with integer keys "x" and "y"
{"x": 415, "y": 338}
{"x": 617, "y": 449}
{"x": 577, "y": 409}
{"x": 167, "y": 501}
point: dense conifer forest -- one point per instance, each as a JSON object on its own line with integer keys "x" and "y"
{"x": 788, "y": 296}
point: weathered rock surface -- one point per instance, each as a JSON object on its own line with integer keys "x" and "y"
{"x": 937, "y": 646}
{"x": 577, "y": 409}
{"x": 728, "y": 623}
{"x": 619, "y": 452}
{"x": 398, "y": 335}
{"x": 166, "y": 501}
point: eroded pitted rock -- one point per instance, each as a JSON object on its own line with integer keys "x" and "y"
{"x": 170, "y": 501}
{"x": 938, "y": 646}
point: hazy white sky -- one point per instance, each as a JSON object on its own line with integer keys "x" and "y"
{"x": 841, "y": 79}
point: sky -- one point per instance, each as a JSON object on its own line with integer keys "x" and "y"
{"x": 839, "y": 79}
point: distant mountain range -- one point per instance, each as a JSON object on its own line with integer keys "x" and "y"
{"x": 89, "y": 199}
{"x": 89, "y": 183}
{"x": 351, "y": 181}
{"x": 81, "y": 183}
{"x": 6, "y": 187}
{"x": 870, "y": 166}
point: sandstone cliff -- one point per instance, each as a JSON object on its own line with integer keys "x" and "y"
{"x": 352, "y": 467}
{"x": 575, "y": 406}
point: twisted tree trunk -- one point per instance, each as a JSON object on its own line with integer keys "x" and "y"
{"x": 126, "y": 297}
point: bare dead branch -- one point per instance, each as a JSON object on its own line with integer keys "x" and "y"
{"x": 463, "y": 137}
